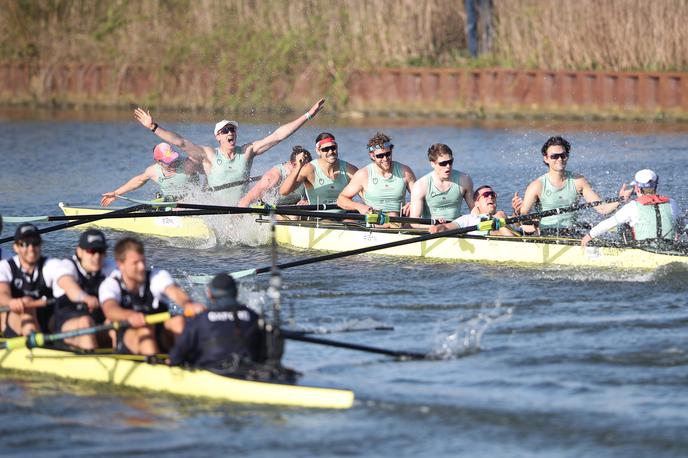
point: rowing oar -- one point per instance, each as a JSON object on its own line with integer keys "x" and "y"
{"x": 370, "y": 218}
{"x": 403, "y": 355}
{"x": 36, "y": 303}
{"x": 487, "y": 225}
{"x": 76, "y": 220}
{"x": 232, "y": 184}
{"x": 38, "y": 339}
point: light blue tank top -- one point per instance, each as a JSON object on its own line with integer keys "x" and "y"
{"x": 177, "y": 184}
{"x": 447, "y": 204}
{"x": 386, "y": 194}
{"x": 326, "y": 190}
{"x": 225, "y": 170}
{"x": 552, "y": 197}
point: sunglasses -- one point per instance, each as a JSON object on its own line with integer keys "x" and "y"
{"x": 448, "y": 162}
{"x": 26, "y": 243}
{"x": 487, "y": 194}
{"x": 327, "y": 149}
{"x": 383, "y": 155}
{"x": 94, "y": 251}
{"x": 556, "y": 156}
{"x": 227, "y": 129}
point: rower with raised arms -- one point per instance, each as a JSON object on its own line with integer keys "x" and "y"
{"x": 325, "y": 177}
{"x": 174, "y": 174}
{"x": 225, "y": 337}
{"x": 133, "y": 291}
{"x": 439, "y": 194}
{"x": 28, "y": 283}
{"x": 560, "y": 188}
{"x": 383, "y": 183}
{"x": 486, "y": 205}
{"x": 272, "y": 179}
{"x": 228, "y": 162}
{"x": 650, "y": 216}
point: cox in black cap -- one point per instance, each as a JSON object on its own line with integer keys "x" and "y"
{"x": 27, "y": 231}
{"x": 93, "y": 239}
{"x": 222, "y": 291}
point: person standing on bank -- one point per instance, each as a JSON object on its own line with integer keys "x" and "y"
{"x": 228, "y": 162}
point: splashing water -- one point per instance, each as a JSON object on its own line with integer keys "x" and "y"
{"x": 467, "y": 338}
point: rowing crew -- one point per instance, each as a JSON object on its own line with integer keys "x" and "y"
{"x": 52, "y": 295}
{"x": 382, "y": 185}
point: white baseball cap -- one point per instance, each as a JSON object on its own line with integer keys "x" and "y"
{"x": 223, "y": 123}
{"x": 645, "y": 178}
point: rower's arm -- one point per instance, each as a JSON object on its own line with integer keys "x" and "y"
{"x": 355, "y": 186}
{"x": 179, "y": 296}
{"x": 284, "y": 131}
{"x": 467, "y": 185}
{"x": 75, "y": 293}
{"x": 114, "y": 312}
{"x": 144, "y": 117}
{"x": 131, "y": 185}
{"x": 418, "y": 192}
{"x": 268, "y": 181}
{"x": 5, "y": 294}
{"x": 531, "y": 196}
{"x": 295, "y": 178}
{"x": 585, "y": 189}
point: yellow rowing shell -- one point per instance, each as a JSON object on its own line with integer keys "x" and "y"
{"x": 512, "y": 250}
{"x": 161, "y": 226}
{"x": 121, "y": 371}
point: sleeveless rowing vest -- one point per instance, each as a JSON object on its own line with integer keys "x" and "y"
{"x": 34, "y": 287}
{"x": 294, "y": 196}
{"x": 326, "y": 190}
{"x": 89, "y": 283}
{"x": 145, "y": 303}
{"x": 173, "y": 185}
{"x": 553, "y": 197}
{"x": 654, "y": 218}
{"x": 447, "y": 204}
{"x": 225, "y": 171}
{"x": 386, "y": 194}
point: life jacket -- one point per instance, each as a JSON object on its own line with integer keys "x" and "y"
{"x": 654, "y": 218}
{"x": 33, "y": 287}
{"x": 89, "y": 283}
{"x": 146, "y": 303}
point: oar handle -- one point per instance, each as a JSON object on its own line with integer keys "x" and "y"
{"x": 38, "y": 339}
{"x": 232, "y": 184}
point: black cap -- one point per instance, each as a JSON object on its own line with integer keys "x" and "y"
{"x": 26, "y": 231}
{"x": 223, "y": 290}
{"x": 92, "y": 239}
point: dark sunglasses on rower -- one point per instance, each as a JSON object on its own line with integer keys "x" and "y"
{"x": 383, "y": 155}
{"x": 448, "y": 162}
{"x": 227, "y": 129}
{"x": 94, "y": 251}
{"x": 556, "y": 156}
{"x": 327, "y": 149}
{"x": 487, "y": 194}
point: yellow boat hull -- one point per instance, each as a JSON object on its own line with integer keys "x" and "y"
{"x": 162, "y": 226}
{"x": 121, "y": 371}
{"x": 512, "y": 250}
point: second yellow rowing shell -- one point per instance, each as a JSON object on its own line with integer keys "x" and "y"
{"x": 161, "y": 226}
{"x": 512, "y": 250}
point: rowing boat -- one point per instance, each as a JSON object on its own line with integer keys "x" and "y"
{"x": 490, "y": 249}
{"x": 121, "y": 370}
{"x": 163, "y": 226}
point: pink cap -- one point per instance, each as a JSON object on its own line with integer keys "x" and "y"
{"x": 163, "y": 152}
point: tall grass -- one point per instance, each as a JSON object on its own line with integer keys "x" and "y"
{"x": 260, "y": 49}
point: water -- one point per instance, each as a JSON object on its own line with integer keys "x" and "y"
{"x": 531, "y": 361}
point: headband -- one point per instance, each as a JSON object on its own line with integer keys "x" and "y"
{"x": 384, "y": 145}
{"x": 325, "y": 140}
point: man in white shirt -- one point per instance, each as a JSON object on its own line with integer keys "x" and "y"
{"x": 133, "y": 291}
{"x": 486, "y": 204}
{"x": 650, "y": 216}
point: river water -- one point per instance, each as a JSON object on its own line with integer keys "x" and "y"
{"x": 538, "y": 361}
